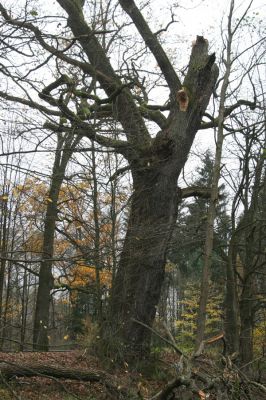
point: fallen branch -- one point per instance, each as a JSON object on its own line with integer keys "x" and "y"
{"x": 11, "y": 365}
{"x": 167, "y": 390}
{"x": 178, "y": 351}
{"x": 10, "y": 370}
{"x": 211, "y": 340}
{"x": 258, "y": 385}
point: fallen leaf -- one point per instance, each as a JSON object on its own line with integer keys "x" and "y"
{"x": 202, "y": 395}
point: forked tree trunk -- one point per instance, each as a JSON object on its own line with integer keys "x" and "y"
{"x": 155, "y": 165}
{"x": 137, "y": 286}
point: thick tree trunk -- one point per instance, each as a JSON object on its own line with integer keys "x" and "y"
{"x": 155, "y": 164}
{"x": 137, "y": 286}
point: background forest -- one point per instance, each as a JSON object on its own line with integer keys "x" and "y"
{"x": 132, "y": 180}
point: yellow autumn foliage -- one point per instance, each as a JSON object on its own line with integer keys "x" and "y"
{"x": 82, "y": 275}
{"x": 259, "y": 337}
{"x": 34, "y": 243}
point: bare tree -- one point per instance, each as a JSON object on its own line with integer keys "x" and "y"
{"x": 155, "y": 161}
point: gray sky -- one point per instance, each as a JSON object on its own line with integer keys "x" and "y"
{"x": 194, "y": 17}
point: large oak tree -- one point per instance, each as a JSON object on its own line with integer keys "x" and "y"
{"x": 155, "y": 161}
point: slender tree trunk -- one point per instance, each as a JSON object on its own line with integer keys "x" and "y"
{"x": 201, "y": 317}
{"x": 3, "y": 252}
{"x": 7, "y": 310}
{"x": 232, "y": 312}
{"x": 96, "y": 238}
{"x": 113, "y": 216}
{"x": 24, "y": 311}
{"x": 41, "y": 317}
{"x": 246, "y": 318}
{"x": 231, "y": 324}
{"x": 247, "y": 300}
{"x": 231, "y": 305}
{"x": 252, "y": 222}
{"x": 249, "y": 226}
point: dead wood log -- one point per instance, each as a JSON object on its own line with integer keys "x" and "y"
{"x": 12, "y": 370}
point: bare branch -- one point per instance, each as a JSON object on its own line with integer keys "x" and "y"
{"x": 88, "y": 131}
{"x": 126, "y": 110}
{"x": 178, "y": 351}
{"x": 195, "y": 191}
{"x": 228, "y": 111}
{"x": 30, "y": 103}
{"x": 153, "y": 44}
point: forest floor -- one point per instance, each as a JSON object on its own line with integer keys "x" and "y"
{"x": 44, "y": 388}
{"x": 150, "y": 381}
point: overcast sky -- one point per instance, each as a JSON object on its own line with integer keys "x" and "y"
{"x": 194, "y": 17}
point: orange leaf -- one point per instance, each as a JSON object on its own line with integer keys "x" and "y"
{"x": 202, "y": 395}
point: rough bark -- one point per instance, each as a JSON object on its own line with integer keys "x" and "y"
{"x": 155, "y": 166}
{"x": 248, "y": 243}
{"x": 137, "y": 286}
{"x": 11, "y": 370}
{"x": 251, "y": 222}
{"x": 155, "y": 163}
{"x": 136, "y": 290}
